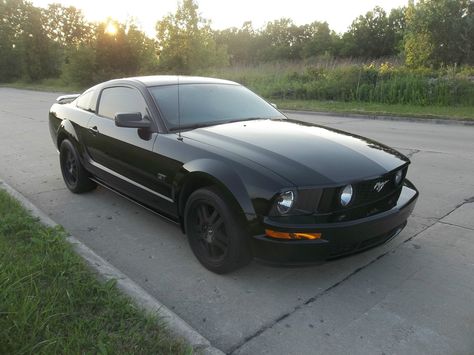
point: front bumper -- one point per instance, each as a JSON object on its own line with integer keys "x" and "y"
{"x": 339, "y": 238}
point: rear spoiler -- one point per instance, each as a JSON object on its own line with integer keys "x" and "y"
{"x": 65, "y": 99}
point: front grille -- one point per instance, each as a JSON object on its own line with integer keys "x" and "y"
{"x": 364, "y": 193}
{"x": 307, "y": 200}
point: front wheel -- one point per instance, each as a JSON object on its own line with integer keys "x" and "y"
{"x": 215, "y": 232}
{"x": 74, "y": 175}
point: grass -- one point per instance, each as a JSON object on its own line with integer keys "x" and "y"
{"x": 385, "y": 82}
{"x": 346, "y": 86}
{"x": 51, "y": 302}
{"x": 447, "y": 112}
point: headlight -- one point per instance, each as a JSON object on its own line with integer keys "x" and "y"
{"x": 285, "y": 202}
{"x": 398, "y": 177}
{"x": 346, "y": 195}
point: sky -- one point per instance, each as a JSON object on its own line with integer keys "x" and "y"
{"x": 229, "y": 13}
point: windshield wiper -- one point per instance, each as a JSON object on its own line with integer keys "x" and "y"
{"x": 244, "y": 119}
{"x": 207, "y": 124}
{"x": 192, "y": 126}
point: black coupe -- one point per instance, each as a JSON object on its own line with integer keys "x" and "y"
{"x": 240, "y": 178}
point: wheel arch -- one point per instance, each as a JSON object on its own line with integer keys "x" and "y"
{"x": 66, "y": 130}
{"x": 208, "y": 172}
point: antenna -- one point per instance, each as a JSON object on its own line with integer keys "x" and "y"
{"x": 179, "y": 115}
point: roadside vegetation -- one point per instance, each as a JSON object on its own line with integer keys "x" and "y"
{"x": 462, "y": 113}
{"x": 349, "y": 81}
{"x": 421, "y": 55}
{"x": 51, "y": 85}
{"x": 51, "y": 303}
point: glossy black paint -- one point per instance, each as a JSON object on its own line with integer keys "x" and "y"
{"x": 251, "y": 161}
{"x": 339, "y": 238}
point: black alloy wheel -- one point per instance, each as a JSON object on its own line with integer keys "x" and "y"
{"x": 70, "y": 169}
{"x": 208, "y": 226}
{"x": 215, "y": 232}
{"x": 75, "y": 176}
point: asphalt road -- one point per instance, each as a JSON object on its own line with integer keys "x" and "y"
{"x": 412, "y": 295}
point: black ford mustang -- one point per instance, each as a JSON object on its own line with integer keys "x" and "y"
{"x": 240, "y": 178}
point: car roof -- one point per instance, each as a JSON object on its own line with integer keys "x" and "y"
{"x": 157, "y": 80}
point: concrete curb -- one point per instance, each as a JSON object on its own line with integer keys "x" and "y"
{"x": 384, "y": 117}
{"x": 177, "y": 326}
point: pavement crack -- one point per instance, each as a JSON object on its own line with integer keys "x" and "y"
{"x": 412, "y": 152}
{"x": 439, "y": 219}
{"x": 415, "y": 235}
{"x": 313, "y": 299}
{"x": 456, "y": 225}
{"x": 53, "y": 190}
{"x": 18, "y": 115}
{"x": 467, "y": 200}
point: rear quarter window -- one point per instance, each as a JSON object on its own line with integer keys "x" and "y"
{"x": 85, "y": 101}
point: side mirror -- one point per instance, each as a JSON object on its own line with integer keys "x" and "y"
{"x": 274, "y": 105}
{"x": 131, "y": 120}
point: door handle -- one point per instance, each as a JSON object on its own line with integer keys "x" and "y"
{"x": 94, "y": 130}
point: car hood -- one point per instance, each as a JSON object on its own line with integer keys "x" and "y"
{"x": 304, "y": 154}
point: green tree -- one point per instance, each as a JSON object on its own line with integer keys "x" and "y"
{"x": 37, "y": 50}
{"x": 113, "y": 53}
{"x": 444, "y": 31}
{"x": 80, "y": 66}
{"x": 318, "y": 39}
{"x": 397, "y": 24}
{"x": 371, "y": 35}
{"x": 66, "y": 26}
{"x": 13, "y": 14}
{"x": 144, "y": 50}
{"x": 281, "y": 40}
{"x": 186, "y": 42}
{"x": 26, "y": 51}
{"x": 241, "y": 43}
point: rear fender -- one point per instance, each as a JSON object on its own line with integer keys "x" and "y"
{"x": 67, "y": 130}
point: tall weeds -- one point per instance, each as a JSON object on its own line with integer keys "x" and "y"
{"x": 348, "y": 80}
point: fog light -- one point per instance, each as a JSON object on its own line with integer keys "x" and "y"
{"x": 346, "y": 195}
{"x": 398, "y": 177}
{"x": 288, "y": 236}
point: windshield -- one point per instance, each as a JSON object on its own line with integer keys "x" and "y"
{"x": 210, "y": 104}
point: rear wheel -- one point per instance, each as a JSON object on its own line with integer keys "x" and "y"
{"x": 75, "y": 176}
{"x": 215, "y": 232}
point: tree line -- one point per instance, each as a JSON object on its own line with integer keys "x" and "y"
{"x": 57, "y": 41}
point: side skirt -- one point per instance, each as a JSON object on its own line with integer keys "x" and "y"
{"x": 101, "y": 183}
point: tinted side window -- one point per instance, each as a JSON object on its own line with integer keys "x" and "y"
{"x": 84, "y": 101}
{"x": 120, "y": 100}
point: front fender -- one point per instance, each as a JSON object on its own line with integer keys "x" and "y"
{"x": 221, "y": 174}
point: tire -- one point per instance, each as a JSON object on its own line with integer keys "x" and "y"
{"x": 216, "y": 231}
{"x": 75, "y": 176}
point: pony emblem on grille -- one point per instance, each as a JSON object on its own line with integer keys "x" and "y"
{"x": 379, "y": 185}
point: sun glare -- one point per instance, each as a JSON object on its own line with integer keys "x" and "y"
{"x": 111, "y": 29}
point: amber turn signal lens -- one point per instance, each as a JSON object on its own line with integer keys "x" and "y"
{"x": 291, "y": 236}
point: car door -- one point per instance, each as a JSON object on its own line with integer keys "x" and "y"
{"x": 123, "y": 157}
